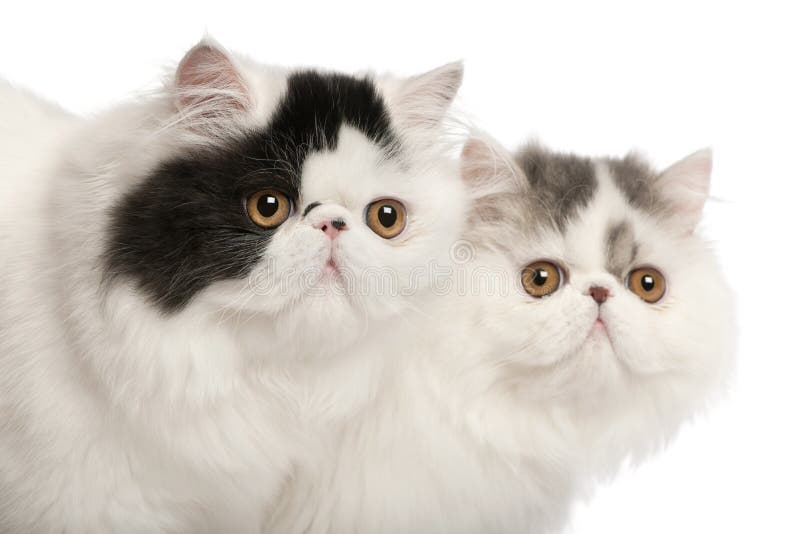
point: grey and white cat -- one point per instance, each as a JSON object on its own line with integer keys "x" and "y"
{"x": 591, "y": 322}
{"x": 176, "y": 326}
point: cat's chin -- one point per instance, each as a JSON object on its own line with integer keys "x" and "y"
{"x": 590, "y": 367}
{"x": 599, "y": 338}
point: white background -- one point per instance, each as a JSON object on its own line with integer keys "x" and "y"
{"x": 597, "y": 80}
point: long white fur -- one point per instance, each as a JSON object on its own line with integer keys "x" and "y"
{"x": 117, "y": 418}
{"x": 498, "y": 411}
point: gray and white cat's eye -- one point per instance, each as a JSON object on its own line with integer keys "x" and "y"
{"x": 647, "y": 283}
{"x": 542, "y": 278}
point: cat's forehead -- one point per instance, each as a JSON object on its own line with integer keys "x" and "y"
{"x": 636, "y": 180}
{"x": 589, "y": 212}
{"x": 355, "y": 170}
{"x": 561, "y": 185}
{"x": 314, "y": 110}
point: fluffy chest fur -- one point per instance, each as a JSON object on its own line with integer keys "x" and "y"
{"x": 438, "y": 449}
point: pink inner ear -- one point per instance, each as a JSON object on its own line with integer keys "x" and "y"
{"x": 475, "y": 157}
{"x": 687, "y": 183}
{"x": 424, "y": 99}
{"x": 206, "y": 76}
{"x": 693, "y": 173}
{"x": 483, "y": 161}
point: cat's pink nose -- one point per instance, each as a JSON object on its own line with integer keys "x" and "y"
{"x": 599, "y": 294}
{"x": 332, "y": 227}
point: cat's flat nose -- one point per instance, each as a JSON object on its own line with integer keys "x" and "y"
{"x": 599, "y": 294}
{"x": 332, "y": 227}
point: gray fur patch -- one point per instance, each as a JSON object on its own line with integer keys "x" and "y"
{"x": 621, "y": 248}
{"x": 561, "y": 184}
{"x": 636, "y": 180}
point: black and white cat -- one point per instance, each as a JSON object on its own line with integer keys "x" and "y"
{"x": 586, "y": 322}
{"x": 185, "y": 275}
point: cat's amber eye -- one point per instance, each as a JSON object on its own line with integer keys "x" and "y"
{"x": 647, "y": 283}
{"x": 386, "y": 217}
{"x": 541, "y": 278}
{"x": 268, "y": 208}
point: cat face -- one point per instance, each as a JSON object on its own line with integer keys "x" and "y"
{"x": 306, "y": 196}
{"x": 614, "y": 294}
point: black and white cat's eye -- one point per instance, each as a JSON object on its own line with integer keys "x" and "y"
{"x": 541, "y": 278}
{"x": 647, "y": 283}
{"x": 386, "y": 217}
{"x": 269, "y": 208}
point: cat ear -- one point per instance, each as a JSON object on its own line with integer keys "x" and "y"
{"x": 422, "y": 101}
{"x": 686, "y": 184}
{"x": 493, "y": 181}
{"x": 487, "y": 166}
{"x": 208, "y": 83}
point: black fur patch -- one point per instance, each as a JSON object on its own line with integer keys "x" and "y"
{"x": 311, "y": 207}
{"x": 185, "y": 226}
